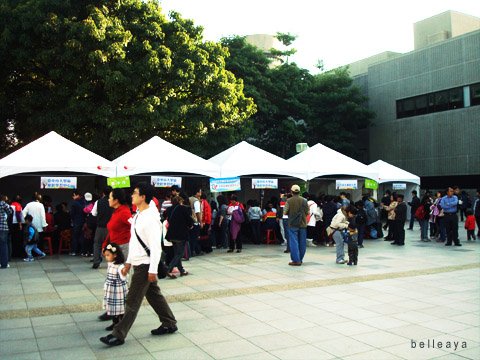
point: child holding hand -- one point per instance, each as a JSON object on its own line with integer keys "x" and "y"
{"x": 115, "y": 284}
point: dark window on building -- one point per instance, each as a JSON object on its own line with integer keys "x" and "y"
{"x": 475, "y": 94}
{"x": 434, "y": 102}
{"x": 456, "y": 98}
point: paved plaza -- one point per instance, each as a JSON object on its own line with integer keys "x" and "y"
{"x": 421, "y": 301}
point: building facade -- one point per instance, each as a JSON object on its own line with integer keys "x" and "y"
{"x": 427, "y": 102}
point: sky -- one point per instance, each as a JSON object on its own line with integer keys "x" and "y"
{"x": 338, "y": 32}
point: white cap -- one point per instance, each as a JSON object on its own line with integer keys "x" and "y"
{"x": 88, "y": 197}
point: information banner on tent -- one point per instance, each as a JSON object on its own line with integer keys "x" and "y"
{"x": 225, "y": 184}
{"x": 119, "y": 182}
{"x": 264, "y": 183}
{"x": 58, "y": 182}
{"x": 346, "y": 184}
{"x": 371, "y": 184}
{"x": 399, "y": 186}
{"x": 166, "y": 181}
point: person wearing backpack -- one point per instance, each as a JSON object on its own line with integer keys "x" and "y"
{"x": 422, "y": 214}
{"x": 297, "y": 210}
{"x": 235, "y": 210}
{"x": 31, "y": 240}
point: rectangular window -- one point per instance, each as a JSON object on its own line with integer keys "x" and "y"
{"x": 441, "y": 100}
{"x": 456, "y": 99}
{"x": 475, "y": 94}
{"x": 421, "y": 106}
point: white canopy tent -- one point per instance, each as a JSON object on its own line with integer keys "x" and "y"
{"x": 53, "y": 152}
{"x": 246, "y": 159}
{"x": 391, "y": 173}
{"x": 159, "y": 156}
{"x": 320, "y": 160}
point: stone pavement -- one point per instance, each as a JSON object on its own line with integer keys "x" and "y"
{"x": 398, "y": 303}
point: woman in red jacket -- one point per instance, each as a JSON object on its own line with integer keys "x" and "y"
{"x": 119, "y": 225}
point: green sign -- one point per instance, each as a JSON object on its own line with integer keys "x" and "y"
{"x": 119, "y": 182}
{"x": 371, "y": 184}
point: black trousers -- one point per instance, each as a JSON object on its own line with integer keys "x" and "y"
{"x": 353, "y": 252}
{"x": 451, "y": 227}
{"x": 399, "y": 232}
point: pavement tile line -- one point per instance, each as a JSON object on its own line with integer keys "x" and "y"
{"x": 205, "y": 295}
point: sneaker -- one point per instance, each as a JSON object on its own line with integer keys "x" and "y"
{"x": 162, "y": 330}
{"x": 361, "y": 246}
{"x": 28, "y": 259}
{"x": 342, "y": 262}
{"x": 72, "y": 254}
{"x": 42, "y": 256}
{"x": 458, "y": 244}
{"x": 239, "y": 250}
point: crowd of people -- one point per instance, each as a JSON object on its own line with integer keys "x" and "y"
{"x": 153, "y": 237}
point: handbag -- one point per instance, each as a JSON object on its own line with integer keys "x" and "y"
{"x": 162, "y": 270}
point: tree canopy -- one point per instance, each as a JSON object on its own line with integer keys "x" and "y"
{"x": 111, "y": 74}
{"x": 295, "y": 106}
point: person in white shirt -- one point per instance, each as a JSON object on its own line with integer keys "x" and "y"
{"x": 146, "y": 228}
{"x": 37, "y": 211}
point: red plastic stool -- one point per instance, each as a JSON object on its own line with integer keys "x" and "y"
{"x": 64, "y": 242}
{"x": 268, "y": 236}
{"x": 48, "y": 240}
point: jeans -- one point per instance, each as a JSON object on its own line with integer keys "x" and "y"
{"x": 298, "y": 243}
{"x": 100, "y": 235}
{"x": 256, "y": 238}
{"x": 412, "y": 220}
{"x": 194, "y": 248}
{"x": 29, "y": 248}
{"x": 3, "y": 249}
{"x": 339, "y": 245}
{"x": 178, "y": 250}
{"x": 285, "y": 229}
{"x": 441, "y": 228}
{"x": 361, "y": 234}
{"x": 77, "y": 235}
{"x": 423, "y": 229}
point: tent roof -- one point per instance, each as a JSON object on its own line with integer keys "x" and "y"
{"x": 246, "y": 159}
{"x": 157, "y": 155}
{"x": 320, "y": 160}
{"x": 390, "y": 173}
{"x": 53, "y": 152}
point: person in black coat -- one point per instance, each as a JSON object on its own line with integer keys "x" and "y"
{"x": 180, "y": 222}
{"x": 400, "y": 218}
{"x": 415, "y": 203}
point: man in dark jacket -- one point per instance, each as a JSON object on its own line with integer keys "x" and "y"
{"x": 103, "y": 212}
{"x": 78, "y": 219}
{"x": 399, "y": 224}
{"x": 415, "y": 203}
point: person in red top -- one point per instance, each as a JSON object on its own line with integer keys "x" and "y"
{"x": 206, "y": 213}
{"x": 470, "y": 225}
{"x": 119, "y": 224}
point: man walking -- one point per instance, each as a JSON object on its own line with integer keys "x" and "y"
{"x": 399, "y": 222}
{"x": 144, "y": 255}
{"x": 103, "y": 212}
{"x": 449, "y": 204}
{"x": 297, "y": 209}
{"x": 415, "y": 203}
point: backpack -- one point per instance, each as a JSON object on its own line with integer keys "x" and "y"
{"x": 361, "y": 218}
{"x": 420, "y": 213}
{"x": 237, "y": 215}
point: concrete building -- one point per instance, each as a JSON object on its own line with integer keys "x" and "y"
{"x": 266, "y": 42}
{"x": 427, "y": 102}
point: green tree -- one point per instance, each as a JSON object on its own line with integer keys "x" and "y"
{"x": 296, "y": 106}
{"x": 111, "y": 74}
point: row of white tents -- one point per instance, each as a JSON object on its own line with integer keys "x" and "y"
{"x": 54, "y": 153}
